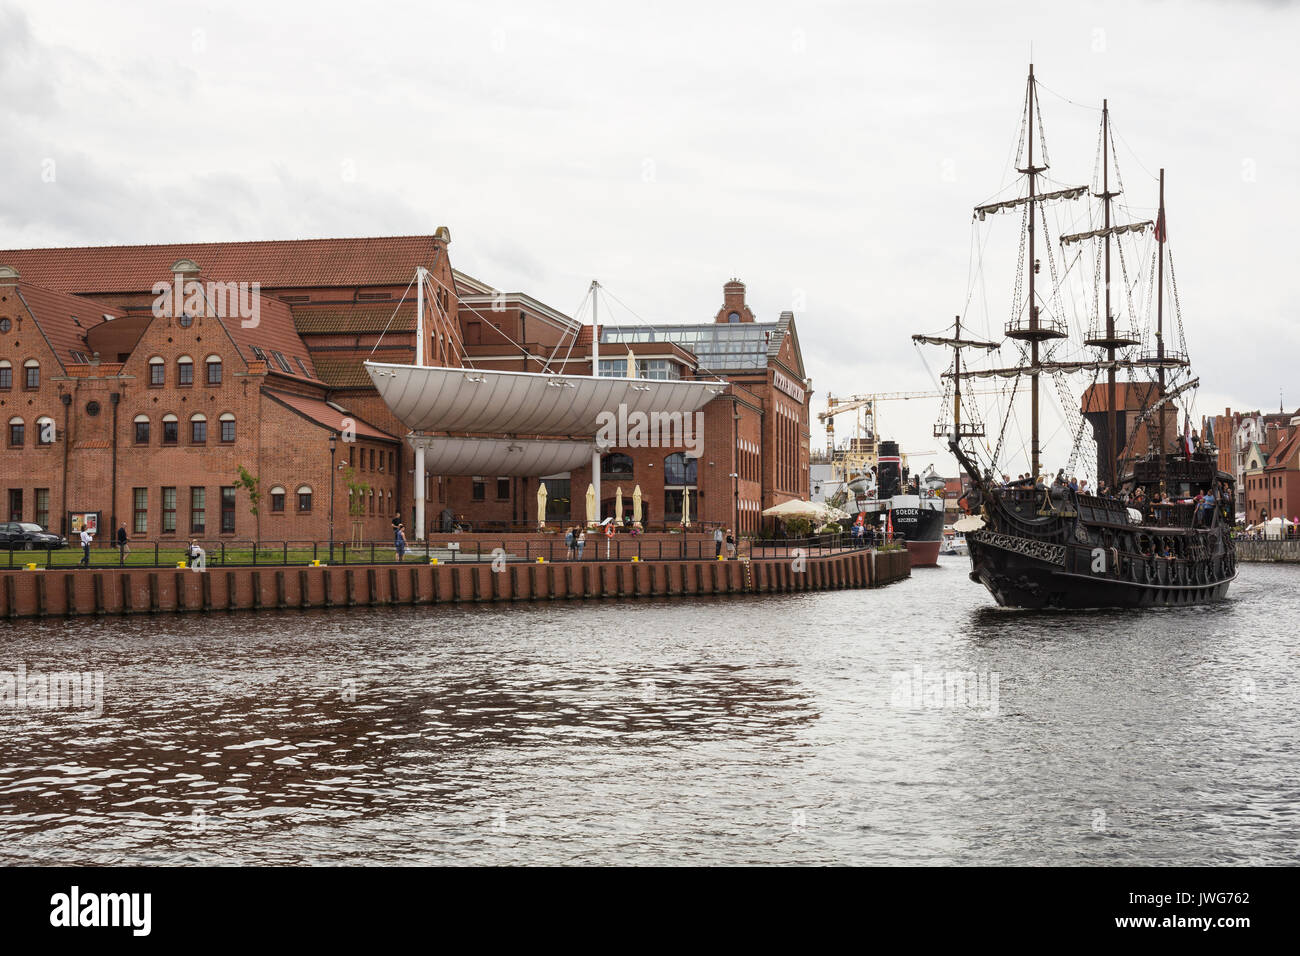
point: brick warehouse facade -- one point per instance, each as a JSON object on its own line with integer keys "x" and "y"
{"x": 149, "y": 417}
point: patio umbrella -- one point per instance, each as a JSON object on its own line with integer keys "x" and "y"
{"x": 591, "y": 504}
{"x": 541, "y": 504}
{"x": 686, "y": 507}
{"x": 618, "y": 504}
{"x": 636, "y": 505}
{"x": 631, "y": 364}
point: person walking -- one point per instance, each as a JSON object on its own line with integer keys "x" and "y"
{"x": 731, "y": 544}
{"x": 122, "y": 547}
{"x": 570, "y": 539}
{"x": 581, "y": 541}
{"x": 717, "y": 542}
{"x": 87, "y": 536}
{"x": 399, "y": 542}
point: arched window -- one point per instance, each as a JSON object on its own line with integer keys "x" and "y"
{"x": 680, "y": 469}
{"x": 277, "y": 499}
{"x": 157, "y": 371}
{"x": 198, "y": 428}
{"x": 142, "y": 429}
{"x": 171, "y": 429}
{"x": 616, "y": 463}
{"x": 31, "y": 374}
{"x": 45, "y": 430}
{"x": 228, "y": 428}
{"x": 6, "y": 374}
{"x": 213, "y": 363}
{"x": 304, "y": 499}
{"x": 185, "y": 370}
{"x": 17, "y": 432}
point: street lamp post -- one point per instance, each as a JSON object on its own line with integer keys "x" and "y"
{"x": 333, "y": 444}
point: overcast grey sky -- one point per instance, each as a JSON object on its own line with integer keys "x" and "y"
{"x": 827, "y": 154}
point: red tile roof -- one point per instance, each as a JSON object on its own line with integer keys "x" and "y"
{"x": 276, "y": 264}
{"x": 274, "y": 332}
{"x": 63, "y": 319}
{"x": 360, "y": 319}
{"x": 326, "y": 415}
{"x": 1285, "y": 451}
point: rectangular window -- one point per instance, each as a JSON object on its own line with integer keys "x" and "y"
{"x": 43, "y": 507}
{"x": 198, "y": 510}
{"x": 280, "y": 361}
{"x": 198, "y": 432}
{"x": 228, "y": 510}
{"x": 33, "y": 373}
{"x": 277, "y": 501}
{"x": 142, "y": 433}
{"x": 185, "y": 373}
{"x": 171, "y": 432}
{"x": 169, "y": 511}
{"x": 140, "y": 510}
{"x": 6, "y": 377}
{"x": 17, "y": 432}
{"x": 503, "y": 489}
{"x": 214, "y": 373}
{"x": 157, "y": 374}
{"x": 15, "y": 504}
{"x": 227, "y": 431}
{"x": 390, "y": 462}
{"x": 480, "y": 491}
{"x": 304, "y": 502}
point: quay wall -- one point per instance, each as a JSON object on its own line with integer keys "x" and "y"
{"x": 1270, "y": 550}
{"x": 71, "y": 592}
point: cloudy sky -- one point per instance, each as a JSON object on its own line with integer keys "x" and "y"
{"x": 827, "y": 154}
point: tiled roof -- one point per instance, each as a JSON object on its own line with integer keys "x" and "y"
{"x": 1285, "y": 451}
{"x": 327, "y": 416}
{"x": 274, "y": 332}
{"x": 276, "y": 264}
{"x": 345, "y": 373}
{"x": 361, "y": 319}
{"x": 64, "y": 319}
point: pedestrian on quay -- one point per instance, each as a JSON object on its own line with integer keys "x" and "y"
{"x": 581, "y": 541}
{"x": 123, "y": 548}
{"x": 717, "y": 542}
{"x": 193, "y": 553}
{"x": 399, "y": 542}
{"x": 731, "y": 544}
{"x": 570, "y": 539}
{"x": 87, "y": 536}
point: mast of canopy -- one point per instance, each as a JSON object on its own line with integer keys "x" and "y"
{"x": 421, "y": 478}
{"x": 595, "y": 373}
{"x": 1160, "y": 327}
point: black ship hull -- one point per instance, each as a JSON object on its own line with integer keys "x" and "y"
{"x": 920, "y": 528}
{"x": 1018, "y": 580}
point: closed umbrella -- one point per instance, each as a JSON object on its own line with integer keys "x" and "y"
{"x": 636, "y": 505}
{"x": 686, "y": 507}
{"x": 591, "y": 504}
{"x": 541, "y": 504}
{"x": 618, "y": 505}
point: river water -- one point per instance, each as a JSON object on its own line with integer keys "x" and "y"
{"x": 916, "y": 724}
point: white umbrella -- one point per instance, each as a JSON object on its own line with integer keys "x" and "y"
{"x": 618, "y": 504}
{"x": 591, "y": 504}
{"x": 636, "y": 504}
{"x": 686, "y": 507}
{"x": 541, "y": 504}
{"x": 968, "y": 523}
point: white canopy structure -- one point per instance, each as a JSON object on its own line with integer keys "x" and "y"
{"x": 525, "y": 403}
{"x": 521, "y": 457}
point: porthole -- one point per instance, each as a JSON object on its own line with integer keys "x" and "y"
{"x": 92, "y": 408}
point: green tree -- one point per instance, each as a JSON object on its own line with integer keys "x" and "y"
{"x": 357, "y": 492}
{"x": 252, "y": 485}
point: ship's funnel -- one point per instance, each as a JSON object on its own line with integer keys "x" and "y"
{"x": 889, "y": 471}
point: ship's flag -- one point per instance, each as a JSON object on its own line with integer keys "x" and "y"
{"x": 889, "y": 524}
{"x": 1161, "y": 234}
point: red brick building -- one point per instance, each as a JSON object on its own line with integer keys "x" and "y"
{"x": 116, "y": 410}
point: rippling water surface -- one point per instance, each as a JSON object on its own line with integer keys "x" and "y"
{"x": 747, "y": 730}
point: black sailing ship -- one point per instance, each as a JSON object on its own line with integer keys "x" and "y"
{"x": 1158, "y": 534}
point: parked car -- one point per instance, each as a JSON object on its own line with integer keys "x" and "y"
{"x": 26, "y": 536}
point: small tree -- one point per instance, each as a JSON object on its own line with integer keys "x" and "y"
{"x": 252, "y": 485}
{"x": 357, "y": 491}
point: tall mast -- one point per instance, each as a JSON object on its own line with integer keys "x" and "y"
{"x": 1160, "y": 322}
{"x": 1112, "y": 423}
{"x": 956, "y": 383}
{"x": 1033, "y": 301}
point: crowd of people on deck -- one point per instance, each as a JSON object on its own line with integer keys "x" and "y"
{"x": 1155, "y": 503}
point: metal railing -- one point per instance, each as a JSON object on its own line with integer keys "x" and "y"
{"x": 598, "y": 547}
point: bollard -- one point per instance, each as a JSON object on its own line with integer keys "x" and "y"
{"x": 433, "y": 560}
{"x": 635, "y": 559}
{"x": 180, "y": 564}
{"x": 315, "y": 563}
{"x": 31, "y": 566}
